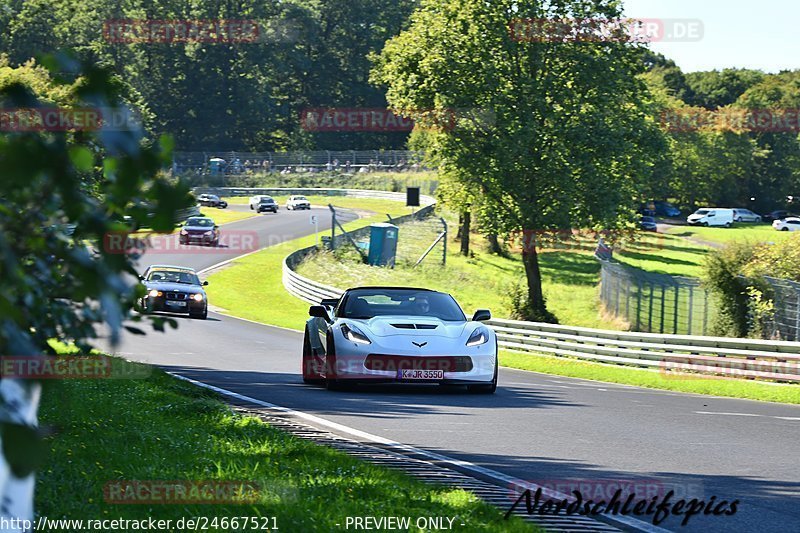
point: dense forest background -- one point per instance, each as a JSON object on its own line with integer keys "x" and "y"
{"x": 311, "y": 53}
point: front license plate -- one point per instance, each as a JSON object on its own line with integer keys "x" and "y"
{"x": 420, "y": 374}
{"x": 177, "y": 304}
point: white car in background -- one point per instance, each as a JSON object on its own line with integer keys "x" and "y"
{"x": 787, "y": 224}
{"x": 711, "y": 216}
{"x": 745, "y": 215}
{"x": 297, "y": 202}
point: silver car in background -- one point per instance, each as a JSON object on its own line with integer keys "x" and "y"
{"x": 745, "y": 215}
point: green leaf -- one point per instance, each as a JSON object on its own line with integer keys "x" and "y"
{"x": 81, "y": 157}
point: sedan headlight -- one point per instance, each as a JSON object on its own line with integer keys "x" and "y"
{"x": 478, "y": 337}
{"x": 209, "y": 232}
{"x": 353, "y": 334}
{"x": 184, "y": 232}
{"x": 153, "y": 293}
{"x": 197, "y": 297}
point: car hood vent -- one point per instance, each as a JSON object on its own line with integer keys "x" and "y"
{"x": 415, "y": 326}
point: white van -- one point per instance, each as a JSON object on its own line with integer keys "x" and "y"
{"x": 712, "y": 216}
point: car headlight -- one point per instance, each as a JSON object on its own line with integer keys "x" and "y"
{"x": 184, "y": 232}
{"x": 478, "y": 337}
{"x": 353, "y": 334}
{"x": 209, "y": 232}
{"x": 153, "y": 293}
{"x": 197, "y": 297}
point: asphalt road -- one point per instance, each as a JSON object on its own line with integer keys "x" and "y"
{"x": 241, "y": 237}
{"x": 536, "y": 427}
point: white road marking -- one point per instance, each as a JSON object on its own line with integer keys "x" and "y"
{"x": 725, "y": 414}
{"x": 509, "y": 481}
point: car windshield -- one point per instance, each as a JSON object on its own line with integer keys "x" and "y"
{"x": 174, "y": 276}
{"x": 701, "y": 212}
{"x": 299, "y": 197}
{"x": 202, "y": 222}
{"x": 369, "y": 303}
{"x": 266, "y": 200}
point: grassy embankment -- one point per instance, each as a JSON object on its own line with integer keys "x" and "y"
{"x": 163, "y": 429}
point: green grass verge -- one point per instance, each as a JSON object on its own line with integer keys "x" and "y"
{"x": 664, "y": 254}
{"x": 734, "y": 388}
{"x": 161, "y": 428}
{"x": 482, "y": 280}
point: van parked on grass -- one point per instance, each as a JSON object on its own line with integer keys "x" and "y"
{"x": 712, "y": 216}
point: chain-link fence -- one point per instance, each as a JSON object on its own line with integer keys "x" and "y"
{"x": 421, "y": 237}
{"x": 656, "y": 303}
{"x": 785, "y": 322}
{"x": 348, "y": 161}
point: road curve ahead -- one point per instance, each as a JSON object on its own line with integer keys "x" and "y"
{"x": 537, "y": 427}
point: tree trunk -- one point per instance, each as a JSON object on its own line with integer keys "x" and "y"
{"x": 465, "y": 233}
{"x": 536, "y": 310}
{"x": 494, "y": 244}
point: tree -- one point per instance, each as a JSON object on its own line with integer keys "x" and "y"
{"x": 61, "y": 194}
{"x": 715, "y": 89}
{"x": 555, "y": 135}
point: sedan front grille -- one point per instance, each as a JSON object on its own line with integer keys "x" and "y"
{"x": 393, "y": 363}
{"x": 176, "y": 296}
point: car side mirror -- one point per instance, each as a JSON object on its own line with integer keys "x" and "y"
{"x": 329, "y": 302}
{"x": 205, "y": 283}
{"x": 482, "y": 315}
{"x": 319, "y": 311}
{"x": 141, "y": 278}
{"x": 216, "y": 226}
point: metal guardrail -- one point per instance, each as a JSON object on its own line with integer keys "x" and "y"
{"x": 671, "y": 354}
{"x": 745, "y": 358}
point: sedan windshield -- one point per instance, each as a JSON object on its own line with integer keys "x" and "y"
{"x": 369, "y": 303}
{"x": 174, "y": 276}
{"x": 201, "y": 222}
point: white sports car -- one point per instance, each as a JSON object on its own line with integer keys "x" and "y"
{"x": 387, "y": 334}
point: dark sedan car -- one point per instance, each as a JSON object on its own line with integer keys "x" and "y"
{"x": 777, "y": 215}
{"x": 211, "y": 200}
{"x": 201, "y": 230}
{"x": 174, "y": 289}
{"x": 648, "y": 224}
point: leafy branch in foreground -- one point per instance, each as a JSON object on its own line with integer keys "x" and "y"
{"x": 64, "y": 189}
